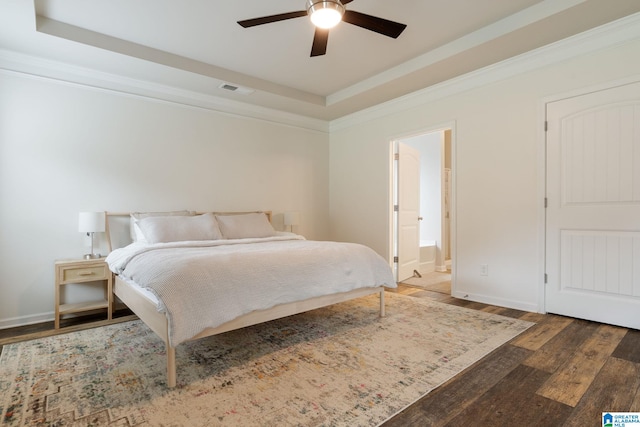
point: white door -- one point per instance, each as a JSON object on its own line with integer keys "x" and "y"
{"x": 408, "y": 211}
{"x": 593, "y": 213}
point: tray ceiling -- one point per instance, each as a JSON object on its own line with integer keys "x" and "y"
{"x": 198, "y": 46}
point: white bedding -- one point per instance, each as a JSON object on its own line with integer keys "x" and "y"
{"x": 204, "y": 284}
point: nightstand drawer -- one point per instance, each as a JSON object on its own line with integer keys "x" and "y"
{"x": 84, "y": 274}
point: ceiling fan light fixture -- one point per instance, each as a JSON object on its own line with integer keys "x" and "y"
{"x": 325, "y": 13}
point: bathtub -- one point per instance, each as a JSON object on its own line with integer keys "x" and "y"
{"x": 427, "y": 256}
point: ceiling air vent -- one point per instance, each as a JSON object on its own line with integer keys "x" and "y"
{"x": 235, "y": 88}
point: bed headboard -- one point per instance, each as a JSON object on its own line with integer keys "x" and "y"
{"x": 118, "y": 232}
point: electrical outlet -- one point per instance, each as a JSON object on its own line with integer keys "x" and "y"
{"x": 484, "y": 269}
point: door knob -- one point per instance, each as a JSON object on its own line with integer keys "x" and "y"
{"x": 419, "y": 218}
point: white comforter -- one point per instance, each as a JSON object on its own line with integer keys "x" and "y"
{"x": 207, "y": 283}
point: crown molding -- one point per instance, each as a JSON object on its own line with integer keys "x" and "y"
{"x": 605, "y": 36}
{"x": 39, "y": 68}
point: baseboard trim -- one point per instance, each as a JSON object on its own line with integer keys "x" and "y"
{"x": 14, "y": 322}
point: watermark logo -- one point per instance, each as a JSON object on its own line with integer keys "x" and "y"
{"x": 621, "y": 419}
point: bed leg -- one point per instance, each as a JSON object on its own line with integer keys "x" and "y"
{"x": 171, "y": 366}
{"x": 382, "y": 313}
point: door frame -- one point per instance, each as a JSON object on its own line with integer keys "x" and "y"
{"x": 542, "y": 171}
{"x": 393, "y": 239}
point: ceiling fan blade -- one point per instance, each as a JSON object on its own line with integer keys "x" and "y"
{"x": 373, "y": 23}
{"x": 272, "y": 18}
{"x": 320, "y": 39}
{"x": 345, "y": 1}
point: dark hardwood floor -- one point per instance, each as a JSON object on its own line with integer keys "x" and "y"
{"x": 560, "y": 372}
{"x": 71, "y": 324}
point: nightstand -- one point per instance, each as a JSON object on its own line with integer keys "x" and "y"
{"x": 83, "y": 271}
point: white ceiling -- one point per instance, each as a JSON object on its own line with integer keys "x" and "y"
{"x": 196, "y": 45}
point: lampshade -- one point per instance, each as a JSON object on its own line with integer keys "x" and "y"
{"x": 291, "y": 218}
{"x": 325, "y": 13}
{"x": 91, "y": 222}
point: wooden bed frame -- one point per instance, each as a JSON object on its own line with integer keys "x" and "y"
{"x": 147, "y": 311}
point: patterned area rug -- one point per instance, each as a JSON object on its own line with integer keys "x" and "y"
{"x": 336, "y": 366}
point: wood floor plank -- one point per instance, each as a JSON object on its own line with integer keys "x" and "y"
{"x": 557, "y": 350}
{"x": 493, "y": 309}
{"x": 629, "y": 347}
{"x": 447, "y": 300}
{"x": 635, "y": 405}
{"x": 569, "y": 383}
{"x": 538, "y": 335}
{"x": 460, "y": 302}
{"x": 472, "y": 305}
{"x": 448, "y": 400}
{"x": 512, "y": 312}
{"x": 534, "y": 317}
{"x": 610, "y": 392}
{"x": 505, "y": 403}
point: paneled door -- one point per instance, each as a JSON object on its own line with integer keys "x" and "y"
{"x": 593, "y": 206}
{"x": 408, "y": 211}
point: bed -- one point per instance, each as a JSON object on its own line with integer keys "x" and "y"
{"x": 189, "y": 275}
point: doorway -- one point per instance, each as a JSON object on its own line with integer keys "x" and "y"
{"x": 422, "y": 235}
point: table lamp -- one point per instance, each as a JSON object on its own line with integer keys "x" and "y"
{"x": 90, "y": 223}
{"x": 291, "y": 219}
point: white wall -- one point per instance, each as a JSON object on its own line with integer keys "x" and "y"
{"x": 497, "y": 163}
{"x": 67, "y": 148}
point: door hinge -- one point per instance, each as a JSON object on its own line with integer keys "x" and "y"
{"x": 396, "y": 156}
{"x": 546, "y": 278}
{"x": 546, "y": 202}
{"x": 395, "y": 259}
{"x": 396, "y": 208}
{"x": 546, "y": 125}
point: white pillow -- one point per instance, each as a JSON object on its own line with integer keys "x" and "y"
{"x": 136, "y": 234}
{"x": 177, "y": 228}
{"x": 244, "y": 226}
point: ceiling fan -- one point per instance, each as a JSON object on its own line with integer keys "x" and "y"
{"x": 326, "y": 14}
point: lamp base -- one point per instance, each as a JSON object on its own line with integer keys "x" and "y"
{"x": 92, "y": 256}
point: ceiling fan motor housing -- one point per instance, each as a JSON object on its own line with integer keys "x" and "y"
{"x": 325, "y": 13}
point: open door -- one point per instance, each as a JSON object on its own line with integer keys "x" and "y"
{"x": 408, "y": 209}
